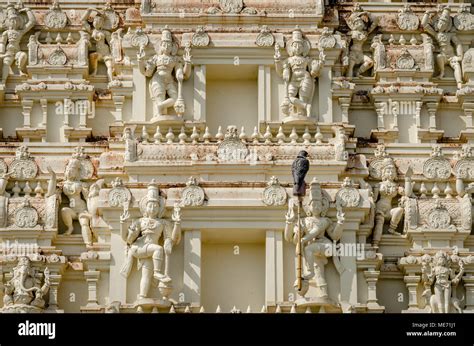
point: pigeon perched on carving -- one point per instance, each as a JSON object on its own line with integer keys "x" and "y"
{"x": 299, "y": 169}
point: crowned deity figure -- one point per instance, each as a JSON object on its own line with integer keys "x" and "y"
{"x": 10, "y": 50}
{"x": 441, "y": 275}
{"x": 386, "y": 191}
{"x": 441, "y": 28}
{"x": 317, "y": 235}
{"x": 298, "y": 72}
{"x": 81, "y": 196}
{"x": 101, "y": 33}
{"x": 167, "y": 71}
{"x": 361, "y": 25}
{"x": 150, "y": 239}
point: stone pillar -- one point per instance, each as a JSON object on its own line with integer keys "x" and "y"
{"x": 325, "y": 95}
{"x": 192, "y": 267}
{"x": 371, "y": 277}
{"x": 200, "y": 93}
{"x": 345, "y": 103}
{"x": 469, "y": 285}
{"x": 380, "y": 108}
{"x": 44, "y": 110}
{"x": 117, "y": 283}
{"x": 139, "y": 96}
{"x": 273, "y": 267}
{"x": 349, "y": 275}
{"x": 92, "y": 278}
{"x": 432, "y": 107}
{"x": 412, "y": 281}
{"x": 119, "y": 101}
{"x": 27, "y": 106}
{"x": 54, "y": 279}
{"x": 264, "y": 94}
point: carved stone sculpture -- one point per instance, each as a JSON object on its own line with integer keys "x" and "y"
{"x": 168, "y": 71}
{"x": 407, "y": 19}
{"x": 298, "y": 72}
{"x": 10, "y": 50}
{"x": 25, "y": 291}
{"x": 361, "y": 26}
{"x": 380, "y": 55}
{"x": 81, "y": 196}
{"x": 318, "y": 234}
{"x": 385, "y": 192}
{"x": 106, "y": 36}
{"x": 143, "y": 239}
{"x": 439, "y": 272}
{"x": 451, "y": 50}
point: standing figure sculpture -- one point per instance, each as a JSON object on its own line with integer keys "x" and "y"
{"x": 101, "y": 34}
{"x": 317, "y": 233}
{"x": 440, "y": 27}
{"x": 10, "y": 50}
{"x": 298, "y": 72}
{"x": 445, "y": 281}
{"x": 24, "y": 292}
{"x": 81, "y": 198}
{"x": 361, "y": 25}
{"x": 150, "y": 239}
{"x": 386, "y": 191}
{"x": 166, "y": 86}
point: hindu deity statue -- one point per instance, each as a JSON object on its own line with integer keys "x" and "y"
{"x": 440, "y": 27}
{"x": 10, "y": 50}
{"x": 361, "y": 25}
{"x": 317, "y": 235}
{"x": 442, "y": 276}
{"x": 150, "y": 239}
{"x": 167, "y": 71}
{"x": 298, "y": 72}
{"x": 101, "y": 33}
{"x": 24, "y": 292}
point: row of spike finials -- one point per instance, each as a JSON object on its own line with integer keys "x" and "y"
{"x": 256, "y": 136}
{"x": 235, "y": 310}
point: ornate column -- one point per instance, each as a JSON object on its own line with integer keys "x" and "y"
{"x": 412, "y": 280}
{"x": 55, "y": 279}
{"x": 273, "y": 267}
{"x": 371, "y": 277}
{"x": 92, "y": 278}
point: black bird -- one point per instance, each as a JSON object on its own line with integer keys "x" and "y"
{"x": 299, "y": 168}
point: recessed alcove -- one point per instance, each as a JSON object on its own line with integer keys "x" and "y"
{"x": 232, "y": 96}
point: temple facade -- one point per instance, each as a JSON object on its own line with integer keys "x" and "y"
{"x": 146, "y": 154}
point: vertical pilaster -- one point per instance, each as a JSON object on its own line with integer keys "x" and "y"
{"x": 200, "y": 93}
{"x": 192, "y": 267}
{"x": 139, "y": 95}
{"x": 274, "y": 267}
{"x": 92, "y": 278}
{"x": 469, "y": 285}
{"x": 325, "y": 95}
{"x": 412, "y": 281}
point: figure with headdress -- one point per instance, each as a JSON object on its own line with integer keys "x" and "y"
{"x": 298, "y": 72}
{"x": 25, "y": 292}
{"x": 361, "y": 25}
{"x": 106, "y": 41}
{"x": 150, "y": 239}
{"x": 441, "y": 28}
{"x": 82, "y": 197}
{"x": 317, "y": 235}
{"x": 386, "y": 191}
{"x": 167, "y": 71}
{"x": 10, "y": 50}
{"x": 442, "y": 276}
